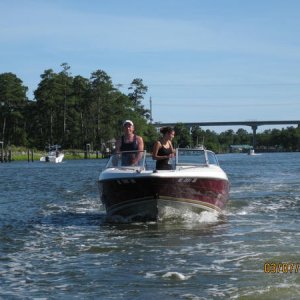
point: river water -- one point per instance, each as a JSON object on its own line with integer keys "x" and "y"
{"x": 55, "y": 243}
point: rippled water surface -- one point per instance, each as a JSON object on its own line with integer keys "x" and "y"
{"x": 55, "y": 243}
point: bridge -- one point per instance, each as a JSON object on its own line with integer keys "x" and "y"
{"x": 252, "y": 124}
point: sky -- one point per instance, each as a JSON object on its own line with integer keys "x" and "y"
{"x": 202, "y": 60}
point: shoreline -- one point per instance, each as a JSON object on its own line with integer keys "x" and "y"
{"x": 31, "y": 155}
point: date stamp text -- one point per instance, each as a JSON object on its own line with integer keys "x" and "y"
{"x": 285, "y": 268}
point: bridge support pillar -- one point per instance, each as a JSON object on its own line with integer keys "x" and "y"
{"x": 254, "y": 128}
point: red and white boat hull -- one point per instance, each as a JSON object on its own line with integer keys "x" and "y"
{"x": 143, "y": 195}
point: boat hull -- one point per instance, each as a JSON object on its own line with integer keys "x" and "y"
{"x": 52, "y": 158}
{"x": 146, "y": 197}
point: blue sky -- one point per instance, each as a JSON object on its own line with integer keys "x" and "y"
{"x": 202, "y": 60}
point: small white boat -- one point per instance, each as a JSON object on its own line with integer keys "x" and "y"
{"x": 54, "y": 155}
{"x": 251, "y": 152}
{"x": 196, "y": 183}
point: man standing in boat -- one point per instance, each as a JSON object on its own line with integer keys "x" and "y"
{"x": 129, "y": 141}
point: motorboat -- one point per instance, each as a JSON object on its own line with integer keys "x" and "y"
{"x": 54, "y": 155}
{"x": 137, "y": 191}
{"x": 251, "y": 152}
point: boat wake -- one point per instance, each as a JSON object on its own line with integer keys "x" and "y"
{"x": 173, "y": 215}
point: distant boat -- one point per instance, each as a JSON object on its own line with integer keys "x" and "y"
{"x": 54, "y": 155}
{"x": 252, "y": 152}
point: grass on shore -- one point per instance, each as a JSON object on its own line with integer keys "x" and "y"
{"x": 23, "y": 154}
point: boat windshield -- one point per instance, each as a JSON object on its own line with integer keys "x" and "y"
{"x": 54, "y": 147}
{"x": 125, "y": 159}
{"x": 186, "y": 156}
{"x": 212, "y": 158}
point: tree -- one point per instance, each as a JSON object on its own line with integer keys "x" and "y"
{"x": 54, "y": 100}
{"x": 263, "y": 140}
{"x": 81, "y": 125}
{"x": 227, "y": 137}
{"x": 276, "y": 138}
{"x": 197, "y": 135}
{"x": 64, "y": 87}
{"x": 13, "y": 100}
{"x": 242, "y": 137}
{"x": 101, "y": 88}
{"x": 182, "y": 136}
{"x": 290, "y": 137}
{"x": 211, "y": 141}
{"x": 137, "y": 95}
{"x": 45, "y": 96}
{"x": 31, "y": 125}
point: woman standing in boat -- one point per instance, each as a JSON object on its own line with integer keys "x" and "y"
{"x": 163, "y": 149}
{"x": 129, "y": 141}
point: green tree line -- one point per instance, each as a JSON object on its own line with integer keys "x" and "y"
{"x": 74, "y": 111}
{"x": 70, "y": 110}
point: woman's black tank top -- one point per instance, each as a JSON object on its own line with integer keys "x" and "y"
{"x": 163, "y": 164}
